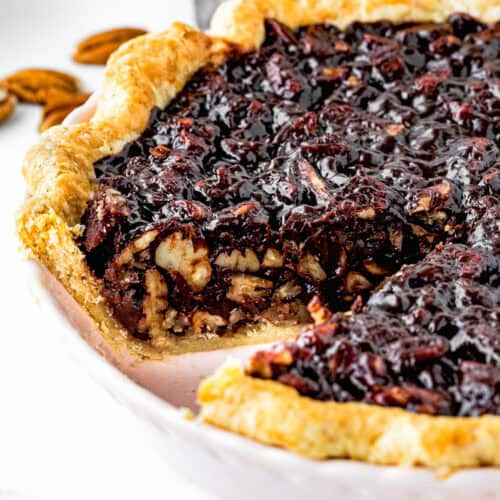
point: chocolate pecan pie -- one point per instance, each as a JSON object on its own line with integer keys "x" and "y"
{"x": 306, "y": 160}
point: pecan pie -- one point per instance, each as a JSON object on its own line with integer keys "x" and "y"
{"x": 307, "y": 160}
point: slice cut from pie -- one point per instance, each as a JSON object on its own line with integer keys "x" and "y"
{"x": 344, "y": 156}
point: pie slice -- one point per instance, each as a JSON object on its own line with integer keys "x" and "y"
{"x": 307, "y": 160}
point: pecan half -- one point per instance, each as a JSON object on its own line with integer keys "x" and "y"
{"x": 34, "y": 85}
{"x": 97, "y": 48}
{"x": 238, "y": 261}
{"x": 178, "y": 254}
{"x": 7, "y": 104}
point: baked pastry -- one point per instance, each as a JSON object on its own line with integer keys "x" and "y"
{"x": 227, "y": 180}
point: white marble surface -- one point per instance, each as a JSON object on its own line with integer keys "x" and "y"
{"x": 61, "y": 435}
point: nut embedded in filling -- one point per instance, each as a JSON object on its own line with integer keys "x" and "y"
{"x": 316, "y": 166}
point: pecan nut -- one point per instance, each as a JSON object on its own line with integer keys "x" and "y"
{"x": 356, "y": 282}
{"x": 262, "y": 362}
{"x": 288, "y": 291}
{"x": 245, "y": 287}
{"x": 34, "y": 85}
{"x": 97, "y": 48}
{"x": 272, "y": 258}
{"x": 374, "y": 268}
{"x": 238, "y": 261}
{"x": 137, "y": 246}
{"x": 154, "y": 306}
{"x": 319, "y": 313}
{"x": 309, "y": 265}
{"x": 206, "y": 323}
{"x": 180, "y": 255}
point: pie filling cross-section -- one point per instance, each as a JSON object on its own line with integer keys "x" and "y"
{"x": 427, "y": 341}
{"x": 315, "y": 166}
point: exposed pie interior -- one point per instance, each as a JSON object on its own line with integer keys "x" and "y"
{"x": 315, "y": 166}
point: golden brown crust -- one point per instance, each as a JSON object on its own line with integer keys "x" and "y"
{"x": 276, "y": 414}
{"x": 241, "y": 21}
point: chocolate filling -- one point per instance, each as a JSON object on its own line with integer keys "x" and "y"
{"x": 318, "y": 166}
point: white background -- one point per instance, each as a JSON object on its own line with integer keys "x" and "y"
{"x": 61, "y": 435}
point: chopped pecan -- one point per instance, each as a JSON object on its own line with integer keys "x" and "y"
{"x": 366, "y": 213}
{"x": 178, "y": 254}
{"x": 319, "y": 313}
{"x": 206, "y": 323}
{"x": 309, "y": 265}
{"x": 288, "y": 291}
{"x": 396, "y": 238}
{"x": 272, "y": 258}
{"x": 356, "y": 282}
{"x": 154, "y": 306}
{"x": 238, "y": 261}
{"x": 138, "y": 245}
{"x": 261, "y": 362}
{"x": 373, "y": 268}
{"x": 246, "y": 288}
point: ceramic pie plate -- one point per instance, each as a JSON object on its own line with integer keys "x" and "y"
{"x": 226, "y": 465}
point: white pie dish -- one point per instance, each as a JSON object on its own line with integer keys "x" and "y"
{"x": 225, "y": 464}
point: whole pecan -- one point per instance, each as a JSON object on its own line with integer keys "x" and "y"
{"x": 34, "y": 85}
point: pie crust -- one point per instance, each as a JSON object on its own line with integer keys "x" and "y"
{"x": 147, "y": 72}
{"x": 275, "y": 414}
